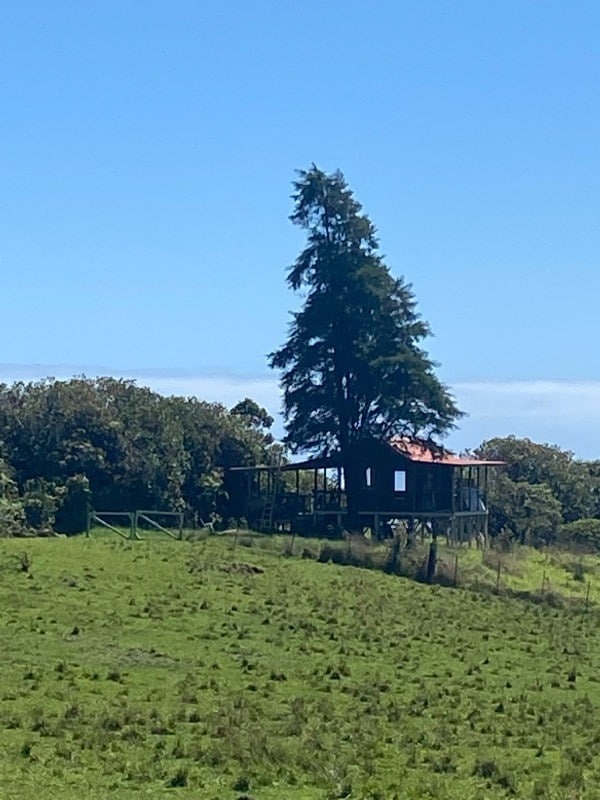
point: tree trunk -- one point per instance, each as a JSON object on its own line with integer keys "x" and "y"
{"x": 431, "y": 562}
{"x": 353, "y": 487}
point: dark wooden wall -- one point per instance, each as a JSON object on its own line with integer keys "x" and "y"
{"x": 428, "y": 486}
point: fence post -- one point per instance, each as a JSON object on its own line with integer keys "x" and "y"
{"x": 431, "y": 562}
{"x": 543, "y": 583}
{"x": 587, "y": 597}
{"x": 498, "y": 577}
{"x": 455, "y": 579}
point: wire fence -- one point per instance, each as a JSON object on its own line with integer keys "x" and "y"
{"x": 554, "y": 577}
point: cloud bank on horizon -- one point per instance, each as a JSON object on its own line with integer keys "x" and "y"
{"x": 558, "y": 412}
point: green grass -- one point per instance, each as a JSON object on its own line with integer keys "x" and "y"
{"x": 551, "y": 574}
{"x": 164, "y": 669}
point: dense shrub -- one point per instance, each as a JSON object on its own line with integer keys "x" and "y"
{"x": 12, "y": 515}
{"x": 71, "y": 516}
{"x": 583, "y": 533}
{"x": 40, "y": 501}
{"x": 114, "y": 445}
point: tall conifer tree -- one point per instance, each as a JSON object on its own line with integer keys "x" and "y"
{"x": 353, "y": 366}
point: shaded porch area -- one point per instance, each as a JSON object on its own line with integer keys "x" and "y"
{"x": 402, "y": 487}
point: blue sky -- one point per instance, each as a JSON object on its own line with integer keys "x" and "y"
{"x": 149, "y": 149}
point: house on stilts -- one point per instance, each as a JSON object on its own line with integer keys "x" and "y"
{"x": 425, "y": 486}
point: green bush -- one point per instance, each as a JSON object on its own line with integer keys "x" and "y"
{"x": 12, "y": 517}
{"x": 40, "y": 501}
{"x": 71, "y": 516}
{"x": 583, "y": 533}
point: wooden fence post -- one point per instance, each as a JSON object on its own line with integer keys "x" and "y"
{"x": 431, "y": 562}
{"x": 587, "y": 597}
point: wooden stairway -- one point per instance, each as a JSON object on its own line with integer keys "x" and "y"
{"x": 266, "y": 518}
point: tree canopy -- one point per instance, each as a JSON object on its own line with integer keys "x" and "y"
{"x": 118, "y": 446}
{"x": 353, "y": 365}
{"x": 541, "y": 488}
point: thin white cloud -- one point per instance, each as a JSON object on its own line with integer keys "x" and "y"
{"x": 559, "y": 412}
{"x": 556, "y": 399}
{"x": 566, "y": 413}
{"x": 224, "y": 388}
{"x": 219, "y": 389}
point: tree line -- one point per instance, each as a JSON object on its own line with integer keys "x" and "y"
{"x": 109, "y": 444}
{"x": 544, "y": 495}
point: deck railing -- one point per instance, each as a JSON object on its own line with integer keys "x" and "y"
{"x": 289, "y": 504}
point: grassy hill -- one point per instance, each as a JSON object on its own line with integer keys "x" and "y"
{"x": 162, "y": 669}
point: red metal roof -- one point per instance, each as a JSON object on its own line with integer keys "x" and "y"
{"x": 415, "y": 450}
{"x": 425, "y": 453}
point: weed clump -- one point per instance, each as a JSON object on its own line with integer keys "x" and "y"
{"x": 179, "y": 779}
{"x": 242, "y": 784}
{"x": 24, "y": 562}
{"x": 578, "y": 571}
{"x": 493, "y": 773}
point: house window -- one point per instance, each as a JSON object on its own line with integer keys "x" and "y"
{"x": 368, "y": 477}
{"x": 399, "y": 480}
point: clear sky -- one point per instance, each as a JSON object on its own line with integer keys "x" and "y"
{"x": 148, "y": 151}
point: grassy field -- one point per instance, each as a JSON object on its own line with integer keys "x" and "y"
{"x": 164, "y": 669}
